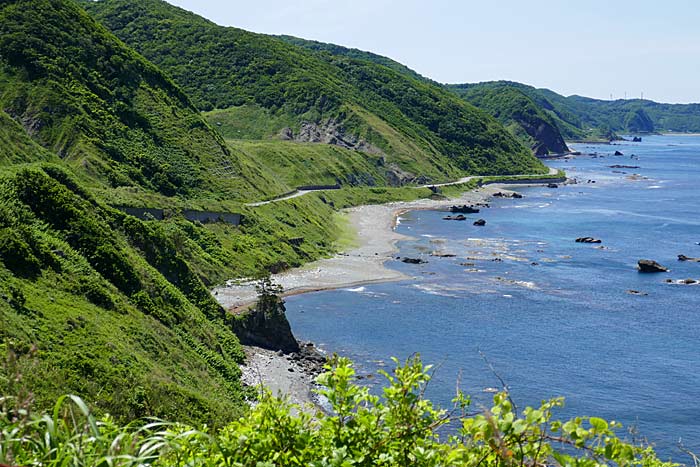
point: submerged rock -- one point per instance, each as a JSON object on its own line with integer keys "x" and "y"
{"x": 686, "y": 258}
{"x": 413, "y": 260}
{"x": 636, "y": 292}
{"x": 552, "y": 185}
{"x": 618, "y": 153}
{"x": 480, "y": 222}
{"x": 588, "y": 240}
{"x": 440, "y": 254}
{"x": 647, "y": 265}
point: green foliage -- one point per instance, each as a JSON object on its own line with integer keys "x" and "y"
{"x": 315, "y": 164}
{"x": 114, "y": 310}
{"x": 79, "y": 92}
{"x": 580, "y": 118}
{"x": 333, "y": 49}
{"x": 223, "y": 67}
{"x": 637, "y": 121}
{"x": 519, "y": 113}
{"x": 398, "y": 429}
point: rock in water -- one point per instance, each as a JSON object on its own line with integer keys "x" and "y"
{"x": 588, "y": 240}
{"x": 647, "y": 265}
{"x": 618, "y": 153}
{"x": 413, "y": 261}
{"x": 686, "y": 258}
{"x": 480, "y": 222}
{"x": 552, "y": 185}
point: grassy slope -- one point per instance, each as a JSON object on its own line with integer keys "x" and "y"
{"x": 109, "y": 113}
{"x": 524, "y": 118}
{"x": 119, "y": 309}
{"x": 227, "y": 67}
{"x": 314, "y": 164}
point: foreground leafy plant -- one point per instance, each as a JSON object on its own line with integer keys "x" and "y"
{"x": 363, "y": 429}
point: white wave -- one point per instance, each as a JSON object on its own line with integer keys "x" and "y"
{"x": 356, "y": 289}
{"x": 434, "y": 290}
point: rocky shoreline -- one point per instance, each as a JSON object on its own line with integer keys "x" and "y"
{"x": 292, "y": 374}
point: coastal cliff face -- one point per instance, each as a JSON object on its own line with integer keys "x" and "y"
{"x": 519, "y": 114}
{"x": 548, "y": 139}
{"x": 266, "y": 326}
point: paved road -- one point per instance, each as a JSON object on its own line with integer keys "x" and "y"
{"x": 298, "y": 193}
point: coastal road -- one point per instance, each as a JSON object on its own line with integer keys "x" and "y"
{"x": 295, "y": 194}
{"x": 298, "y": 193}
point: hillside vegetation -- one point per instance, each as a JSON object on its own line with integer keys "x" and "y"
{"x": 99, "y": 303}
{"x": 580, "y": 118}
{"x": 399, "y": 429}
{"x": 106, "y": 111}
{"x": 423, "y": 131}
{"x": 520, "y": 114}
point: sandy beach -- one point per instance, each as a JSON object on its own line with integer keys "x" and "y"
{"x": 364, "y": 264}
{"x": 376, "y": 243}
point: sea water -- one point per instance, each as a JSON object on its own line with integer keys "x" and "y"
{"x": 551, "y": 317}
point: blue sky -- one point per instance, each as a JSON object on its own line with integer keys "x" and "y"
{"x": 594, "y": 48}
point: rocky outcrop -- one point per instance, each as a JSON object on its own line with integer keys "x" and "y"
{"x": 396, "y": 176}
{"x": 480, "y": 222}
{"x": 686, "y": 258}
{"x": 647, "y": 265}
{"x": 328, "y": 132}
{"x": 464, "y": 209}
{"x": 637, "y": 139}
{"x": 552, "y": 185}
{"x": 266, "y": 326}
{"x": 511, "y": 194}
{"x": 459, "y": 217}
{"x": 618, "y": 153}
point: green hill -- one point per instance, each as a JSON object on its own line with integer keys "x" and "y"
{"x": 105, "y": 110}
{"x": 581, "y": 118}
{"x": 333, "y": 49}
{"x": 519, "y": 113}
{"x": 98, "y": 303}
{"x": 425, "y": 131}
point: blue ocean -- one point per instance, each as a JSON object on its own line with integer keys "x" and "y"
{"x": 551, "y": 316}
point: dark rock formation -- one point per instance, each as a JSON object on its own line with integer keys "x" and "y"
{"x": 618, "y": 153}
{"x": 480, "y": 222}
{"x": 266, "y": 326}
{"x": 500, "y": 194}
{"x": 636, "y": 292}
{"x": 647, "y": 265}
{"x": 637, "y": 139}
{"x": 618, "y": 166}
{"x": 310, "y": 359}
{"x": 552, "y": 185}
{"x": 464, "y": 209}
{"x": 588, "y": 240}
{"x": 686, "y": 258}
{"x": 413, "y": 260}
